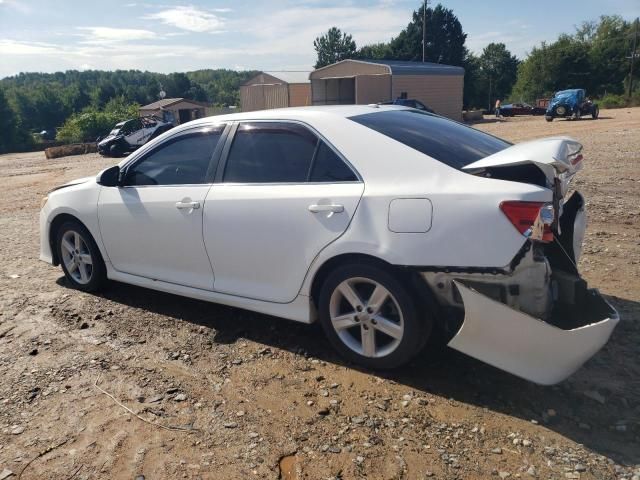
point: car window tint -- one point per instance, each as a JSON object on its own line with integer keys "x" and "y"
{"x": 268, "y": 152}
{"x": 447, "y": 141}
{"x": 183, "y": 160}
{"x": 329, "y": 167}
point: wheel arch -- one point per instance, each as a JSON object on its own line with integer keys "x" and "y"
{"x": 418, "y": 287}
{"x": 56, "y": 223}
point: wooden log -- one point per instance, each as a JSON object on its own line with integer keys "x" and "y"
{"x": 73, "y": 149}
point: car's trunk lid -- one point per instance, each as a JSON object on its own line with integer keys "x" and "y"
{"x": 558, "y": 158}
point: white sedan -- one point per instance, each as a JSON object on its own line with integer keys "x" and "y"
{"x": 384, "y": 223}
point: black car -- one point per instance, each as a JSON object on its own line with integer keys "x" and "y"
{"x": 410, "y": 102}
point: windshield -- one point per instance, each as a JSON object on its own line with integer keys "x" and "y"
{"x": 449, "y": 142}
{"x": 563, "y": 95}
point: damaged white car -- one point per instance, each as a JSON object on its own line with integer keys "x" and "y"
{"x": 384, "y": 223}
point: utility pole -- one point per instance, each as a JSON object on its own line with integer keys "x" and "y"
{"x": 424, "y": 28}
{"x": 632, "y": 57}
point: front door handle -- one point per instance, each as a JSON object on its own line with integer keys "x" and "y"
{"x": 189, "y": 205}
{"x": 331, "y": 208}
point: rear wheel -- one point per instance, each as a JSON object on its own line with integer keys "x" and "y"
{"x": 371, "y": 317}
{"x": 80, "y": 257}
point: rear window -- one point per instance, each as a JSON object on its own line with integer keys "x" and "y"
{"x": 447, "y": 141}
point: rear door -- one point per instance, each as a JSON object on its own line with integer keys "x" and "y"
{"x": 281, "y": 195}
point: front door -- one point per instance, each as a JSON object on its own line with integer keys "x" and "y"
{"x": 284, "y": 195}
{"x": 151, "y": 226}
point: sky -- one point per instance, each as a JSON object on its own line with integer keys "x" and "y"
{"x": 167, "y": 36}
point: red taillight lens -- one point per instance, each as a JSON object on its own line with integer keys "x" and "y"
{"x": 524, "y": 214}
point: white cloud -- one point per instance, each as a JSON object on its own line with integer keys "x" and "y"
{"x": 189, "y": 18}
{"x": 101, "y": 35}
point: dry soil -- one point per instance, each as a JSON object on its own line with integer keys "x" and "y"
{"x": 251, "y": 396}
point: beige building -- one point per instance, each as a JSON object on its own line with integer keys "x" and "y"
{"x": 373, "y": 81}
{"x": 181, "y": 109}
{"x": 276, "y": 90}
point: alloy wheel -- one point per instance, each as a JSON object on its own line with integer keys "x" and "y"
{"x": 366, "y": 317}
{"x": 76, "y": 257}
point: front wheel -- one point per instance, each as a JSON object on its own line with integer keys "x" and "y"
{"x": 80, "y": 257}
{"x": 548, "y": 119}
{"x": 595, "y": 112}
{"x": 371, "y": 317}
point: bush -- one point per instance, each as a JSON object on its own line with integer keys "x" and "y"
{"x": 91, "y": 123}
{"x": 620, "y": 101}
{"x": 612, "y": 101}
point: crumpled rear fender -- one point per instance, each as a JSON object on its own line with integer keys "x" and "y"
{"x": 526, "y": 346}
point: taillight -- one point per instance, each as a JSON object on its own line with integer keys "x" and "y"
{"x": 531, "y": 219}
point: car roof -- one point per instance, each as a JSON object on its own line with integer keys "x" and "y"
{"x": 296, "y": 113}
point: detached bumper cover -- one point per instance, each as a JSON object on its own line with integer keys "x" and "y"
{"x": 525, "y": 346}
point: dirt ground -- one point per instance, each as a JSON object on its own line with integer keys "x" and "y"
{"x": 198, "y": 390}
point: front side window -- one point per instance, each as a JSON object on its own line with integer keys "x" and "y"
{"x": 447, "y": 141}
{"x": 182, "y": 160}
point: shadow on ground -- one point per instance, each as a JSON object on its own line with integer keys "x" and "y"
{"x": 608, "y": 425}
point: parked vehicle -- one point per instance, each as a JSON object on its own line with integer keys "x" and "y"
{"x": 513, "y": 109}
{"x": 571, "y": 104}
{"x": 131, "y": 134}
{"x": 385, "y": 224}
{"x": 410, "y": 102}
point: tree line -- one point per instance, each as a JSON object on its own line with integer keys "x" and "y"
{"x": 32, "y": 102}
{"x": 594, "y": 57}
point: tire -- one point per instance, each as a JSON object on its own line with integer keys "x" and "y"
{"x": 80, "y": 257}
{"x": 115, "y": 150}
{"x": 548, "y": 119}
{"x": 595, "y": 113}
{"x": 395, "y": 330}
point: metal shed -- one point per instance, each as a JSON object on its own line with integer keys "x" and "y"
{"x": 372, "y": 81}
{"x": 178, "y": 110}
{"x": 275, "y": 90}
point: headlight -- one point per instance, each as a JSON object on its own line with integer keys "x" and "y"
{"x": 43, "y": 202}
{"x": 561, "y": 110}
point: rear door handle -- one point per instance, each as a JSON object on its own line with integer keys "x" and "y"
{"x": 189, "y": 205}
{"x": 332, "y": 208}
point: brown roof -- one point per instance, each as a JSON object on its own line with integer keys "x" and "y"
{"x": 165, "y": 102}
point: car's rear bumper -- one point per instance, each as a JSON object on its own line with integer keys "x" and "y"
{"x": 526, "y": 346}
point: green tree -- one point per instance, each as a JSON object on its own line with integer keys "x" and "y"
{"x": 334, "y": 46}
{"x": 498, "y": 71}
{"x": 12, "y": 137}
{"x": 375, "y": 51}
{"x": 444, "y": 38}
{"x": 594, "y": 58}
{"x": 548, "y": 68}
{"x": 93, "y": 123}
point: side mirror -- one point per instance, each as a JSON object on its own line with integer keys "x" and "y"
{"x": 109, "y": 177}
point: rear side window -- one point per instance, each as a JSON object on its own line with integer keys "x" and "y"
{"x": 282, "y": 152}
{"x": 445, "y": 140}
{"x": 328, "y": 167}
{"x": 268, "y": 152}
